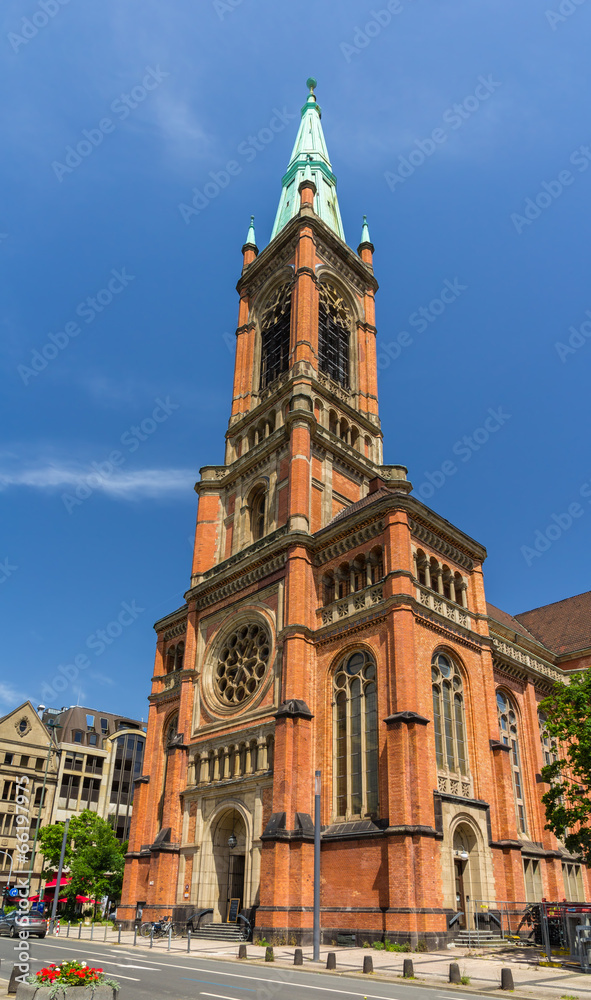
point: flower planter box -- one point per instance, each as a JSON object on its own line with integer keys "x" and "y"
{"x": 28, "y": 991}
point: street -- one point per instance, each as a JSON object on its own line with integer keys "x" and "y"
{"x": 170, "y": 976}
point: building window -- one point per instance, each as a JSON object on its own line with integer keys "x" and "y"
{"x": 548, "y": 745}
{"x": 334, "y": 332}
{"x": 573, "y": 883}
{"x": 90, "y": 721}
{"x": 104, "y": 726}
{"x": 24, "y": 760}
{"x": 449, "y": 715}
{"x": 257, "y": 505}
{"x": 92, "y": 739}
{"x": 355, "y": 738}
{"x": 8, "y": 758}
{"x": 365, "y": 570}
{"x": 533, "y": 880}
{"x": 77, "y": 736}
{"x": 275, "y": 324}
{"x": 510, "y": 737}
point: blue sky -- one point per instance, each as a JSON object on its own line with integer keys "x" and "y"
{"x": 152, "y": 350}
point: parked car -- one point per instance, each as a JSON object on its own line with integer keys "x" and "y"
{"x": 12, "y": 923}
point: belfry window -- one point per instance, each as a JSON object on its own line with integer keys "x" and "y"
{"x": 355, "y": 738}
{"x": 508, "y": 727}
{"x": 449, "y": 716}
{"x": 275, "y": 324}
{"x": 257, "y": 514}
{"x": 334, "y": 332}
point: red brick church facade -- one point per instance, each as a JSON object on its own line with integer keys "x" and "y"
{"x": 334, "y": 622}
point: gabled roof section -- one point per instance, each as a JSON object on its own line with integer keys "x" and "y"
{"x": 508, "y": 621}
{"x": 564, "y": 627}
{"x": 310, "y": 161}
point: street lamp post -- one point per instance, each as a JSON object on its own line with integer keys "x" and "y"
{"x": 316, "y": 956}
{"x": 51, "y": 726}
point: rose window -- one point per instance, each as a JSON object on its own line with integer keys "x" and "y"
{"x": 242, "y": 664}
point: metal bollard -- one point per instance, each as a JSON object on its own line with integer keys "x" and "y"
{"x": 408, "y": 971}
{"x": 367, "y": 963}
{"x": 169, "y": 937}
{"x": 331, "y": 960}
{"x": 242, "y": 951}
{"x": 79, "y": 931}
{"x": 105, "y": 936}
{"x": 151, "y": 937}
{"x": 189, "y": 939}
{"x": 454, "y": 973}
{"x": 68, "y": 933}
{"x": 91, "y": 931}
{"x": 298, "y": 957}
{"x": 135, "y": 934}
{"x": 119, "y": 938}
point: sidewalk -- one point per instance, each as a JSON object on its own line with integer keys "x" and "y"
{"x": 430, "y": 968}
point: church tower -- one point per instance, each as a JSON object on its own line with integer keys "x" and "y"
{"x": 332, "y": 623}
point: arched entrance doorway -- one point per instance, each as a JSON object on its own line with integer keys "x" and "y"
{"x": 466, "y": 870}
{"x": 229, "y": 848}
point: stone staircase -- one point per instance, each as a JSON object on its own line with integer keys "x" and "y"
{"x": 479, "y": 939}
{"x": 220, "y": 932}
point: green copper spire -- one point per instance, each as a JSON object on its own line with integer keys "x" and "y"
{"x": 309, "y": 161}
{"x": 250, "y": 237}
{"x": 364, "y": 232}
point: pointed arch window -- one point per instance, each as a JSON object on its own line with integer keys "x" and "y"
{"x": 275, "y": 325}
{"x": 258, "y": 506}
{"x": 449, "y": 716}
{"x": 355, "y": 720}
{"x": 334, "y": 334}
{"x": 509, "y": 729}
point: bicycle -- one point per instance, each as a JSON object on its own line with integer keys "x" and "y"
{"x": 160, "y": 928}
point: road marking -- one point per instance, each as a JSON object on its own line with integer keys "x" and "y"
{"x": 217, "y": 995}
{"x": 209, "y": 983}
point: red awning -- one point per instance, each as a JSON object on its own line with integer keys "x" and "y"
{"x": 64, "y": 881}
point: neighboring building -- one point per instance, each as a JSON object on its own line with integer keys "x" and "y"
{"x": 25, "y": 750}
{"x": 335, "y": 623}
{"x": 100, "y": 756}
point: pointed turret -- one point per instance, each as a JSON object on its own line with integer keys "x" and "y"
{"x": 250, "y": 249}
{"x": 366, "y": 247}
{"x": 310, "y": 166}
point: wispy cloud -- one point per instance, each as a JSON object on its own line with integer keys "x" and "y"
{"x": 10, "y": 697}
{"x": 119, "y": 484}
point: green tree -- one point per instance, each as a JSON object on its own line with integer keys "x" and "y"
{"x": 94, "y": 857}
{"x": 568, "y": 800}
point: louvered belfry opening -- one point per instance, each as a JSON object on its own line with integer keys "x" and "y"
{"x": 334, "y": 325}
{"x": 275, "y": 323}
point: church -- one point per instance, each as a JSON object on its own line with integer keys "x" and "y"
{"x": 335, "y": 623}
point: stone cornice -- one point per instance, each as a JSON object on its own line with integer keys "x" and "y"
{"x": 525, "y": 663}
{"x": 171, "y": 620}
